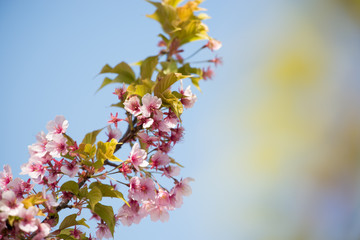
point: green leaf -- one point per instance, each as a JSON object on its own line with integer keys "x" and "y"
{"x": 165, "y": 82}
{"x": 195, "y": 82}
{"x": 173, "y": 3}
{"x": 139, "y": 90}
{"x": 83, "y": 192}
{"x": 106, "y": 213}
{"x": 71, "y": 221}
{"x": 119, "y": 104}
{"x": 124, "y": 72}
{"x": 177, "y": 94}
{"x": 192, "y": 30}
{"x": 173, "y": 102}
{"x": 70, "y": 186}
{"x": 104, "y": 83}
{"x": 188, "y": 70}
{"x": 94, "y": 197}
{"x": 165, "y": 15}
{"x": 106, "y": 151}
{"x": 148, "y": 67}
{"x": 90, "y": 138}
{"x": 108, "y": 191}
{"x": 169, "y": 67}
{"x": 122, "y": 69}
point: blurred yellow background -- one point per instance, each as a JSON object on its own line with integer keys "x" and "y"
{"x": 288, "y": 149}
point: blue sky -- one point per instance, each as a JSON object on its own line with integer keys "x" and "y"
{"x": 51, "y": 52}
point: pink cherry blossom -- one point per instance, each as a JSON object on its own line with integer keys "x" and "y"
{"x": 50, "y": 200}
{"x": 113, "y": 133}
{"x": 34, "y": 168}
{"x": 150, "y": 141}
{"x": 183, "y": 187}
{"x": 176, "y": 134}
{"x": 115, "y": 119}
{"x": 57, "y": 126}
{"x": 129, "y": 215}
{"x": 43, "y": 231}
{"x": 57, "y": 146}
{"x": 9, "y": 203}
{"x": 171, "y": 171}
{"x": 162, "y": 198}
{"x": 70, "y": 168}
{"x": 138, "y": 157}
{"x": 159, "y": 159}
{"x": 132, "y": 105}
{"x": 142, "y": 189}
{"x": 19, "y": 187}
{"x": 189, "y": 98}
{"x": 213, "y": 44}
{"x": 171, "y": 120}
{"x": 156, "y": 212}
{"x": 38, "y": 148}
{"x": 120, "y": 91}
{"x": 103, "y": 231}
{"x": 144, "y": 121}
{"x": 28, "y": 222}
{"x": 151, "y": 104}
{"x": 208, "y": 73}
{"x": 5, "y": 176}
{"x": 217, "y": 60}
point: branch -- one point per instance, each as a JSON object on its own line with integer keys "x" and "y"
{"x": 129, "y": 134}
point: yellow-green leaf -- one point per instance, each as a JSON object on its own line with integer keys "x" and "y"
{"x": 90, "y": 137}
{"x": 105, "y": 82}
{"x": 70, "y": 186}
{"x": 108, "y": 191}
{"x": 148, "y": 67}
{"x": 139, "y": 90}
{"x": 165, "y": 82}
{"x": 106, "y": 151}
{"x": 94, "y": 197}
{"x": 106, "y": 213}
{"x": 71, "y": 221}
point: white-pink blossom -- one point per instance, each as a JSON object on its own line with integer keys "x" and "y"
{"x": 70, "y": 168}
{"x": 189, "y": 99}
{"x": 9, "y": 203}
{"x": 151, "y": 104}
{"x": 43, "y": 231}
{"x": 34, "y": 168}
{"x": 50, "y": 200}
{"x": 171, "y": 171}
{"x": 183, "y": 187}
{"x": 57, "y": 146}
{"x": 132, "y": 105}
{"x": 28, "y": 222}
{"x": 138, "y": 156}
{"x": 213, "y": 44}
{"x": 159, "y": 159}
{"x": 144, "y": 121}
{"x": 38, "y": 148}
{"x": 156, "y": 212}
{"x": 103, "y": 231}
{"x": 113, "y": 133}
{"x": 57, "y": 126}
{"x": 5, "y": 176}
{"x": 129, "y": 215}
{"x": 149, "y": 141}
{"x": 142, "y": 189}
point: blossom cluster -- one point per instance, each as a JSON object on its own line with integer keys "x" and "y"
{"x": 78, "y": 175}
{"x": 16, "y": 212}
